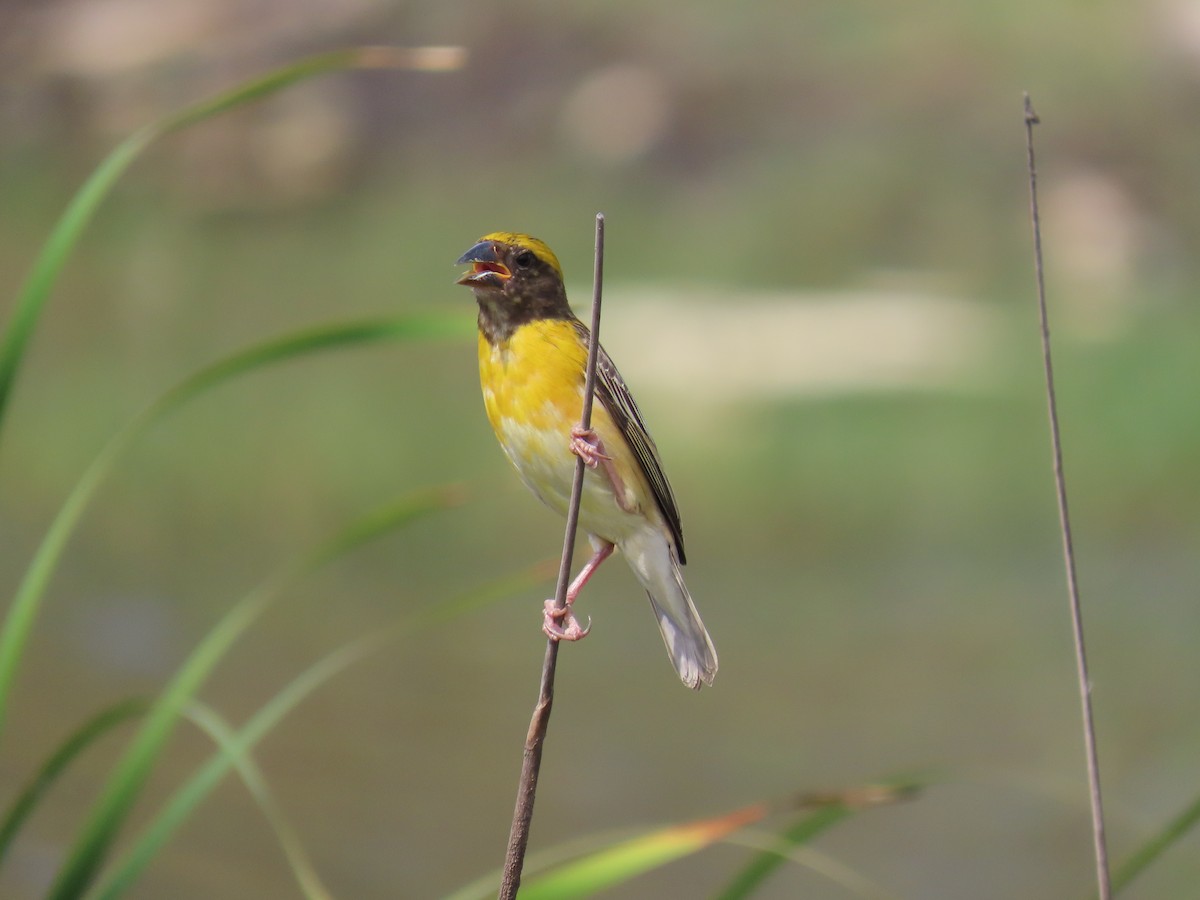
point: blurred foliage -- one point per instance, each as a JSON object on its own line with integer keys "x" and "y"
{"x": 879, "y": 567}
{"x": 842, "y": 134}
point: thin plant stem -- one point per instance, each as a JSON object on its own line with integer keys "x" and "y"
{"x": 531, "y": 762}
{"x": 1103, "y": 878}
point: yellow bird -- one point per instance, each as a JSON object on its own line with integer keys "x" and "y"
{"x": 532, "y": 363}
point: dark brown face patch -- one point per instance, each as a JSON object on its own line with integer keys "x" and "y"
{"x": 514, "y": 289}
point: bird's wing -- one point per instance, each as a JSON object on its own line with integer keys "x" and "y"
{"x": 613, "y": 393}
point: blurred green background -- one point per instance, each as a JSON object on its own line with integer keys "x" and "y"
{"x": 819, "y": 286}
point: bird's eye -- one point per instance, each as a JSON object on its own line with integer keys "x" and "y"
{"x": 524, "y": 259}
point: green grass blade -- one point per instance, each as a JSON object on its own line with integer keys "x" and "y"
{"x": 201, "y": 784}
{"x": 745, "y": 836}
{"x": 621, "y": 862}
{"x": 26, "y": 603}
{"x": 854, "y": 883}
{"x": 225, "y": 737}
{"x": 413, "y": 326}
{"x": 429, "y": 59}
{"x": 78, "y": 741}
{"x": 745, "y": 882}
{"x": 1156, "y": 846}
{"x": 590, "y": 871}
{"x": 485, "y": 887}
{"x": 134, "y": 767}
{"x": 614, "y": 865}
{"x": 833, "y": 809}
{"x": 33, "y": 293}
{"x": 38, "y": 284}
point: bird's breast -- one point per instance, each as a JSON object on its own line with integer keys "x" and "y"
{"x": 533, "y": 392}
{"x": 534, "y": 379}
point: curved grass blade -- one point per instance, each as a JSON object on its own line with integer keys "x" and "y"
{"x": 484, "y": 887}
{"x": 813, "y": 860}
{"x": 18, "y": 621}
{"x": 746, "y": 836}
{"x": 78, "y": 741}
{"x": 412, "y": 326}
{"x": 33, "y": 293}
{"x": 201, "y": 784}
{"x": 745, "y": 882}
{"x": 134, "y": 767}
{"x": 1156, "y": 846}
{"x": 833, "y": 808}
{"x": 224, "y": 736}
{"x": 621, "y": 862}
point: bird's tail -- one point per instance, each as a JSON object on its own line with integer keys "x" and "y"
{"x": 654, "y": 562}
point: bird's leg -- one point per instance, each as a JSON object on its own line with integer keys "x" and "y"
{"x": 603, "y": 552}
{"x": 570, "y": 629}
{"x": 586, "y": 444}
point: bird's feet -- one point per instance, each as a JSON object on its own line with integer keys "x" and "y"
{"x": 586, "y": 444}
{"x": 569, "y": 630}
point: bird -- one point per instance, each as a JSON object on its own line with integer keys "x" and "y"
{"x": 532, "y": 364}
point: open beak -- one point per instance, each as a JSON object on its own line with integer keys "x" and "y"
{"x": 486, "y": 268}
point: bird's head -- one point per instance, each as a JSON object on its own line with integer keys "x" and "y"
{"x": 516, "y": 279}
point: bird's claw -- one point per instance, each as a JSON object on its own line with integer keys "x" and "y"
{"x": 586, "y": 444}
{"x": 570, "y": 630}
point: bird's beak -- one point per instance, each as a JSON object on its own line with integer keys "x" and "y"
{"x": 486, "y": 268}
